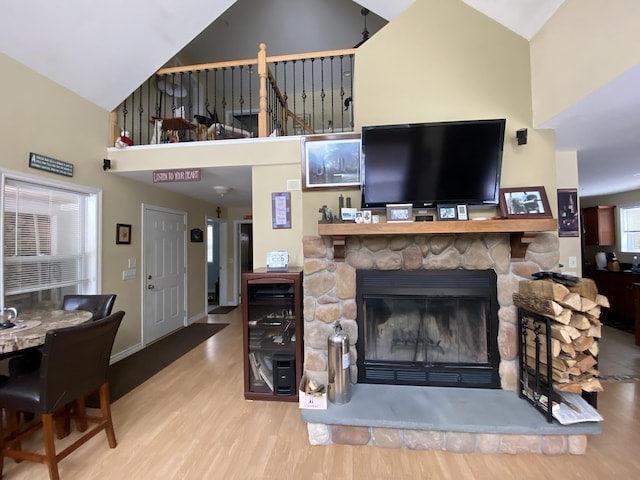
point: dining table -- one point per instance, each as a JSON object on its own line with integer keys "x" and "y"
{"x": 31, "y": 327}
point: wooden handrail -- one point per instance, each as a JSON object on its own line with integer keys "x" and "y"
{"x": 255, "y": 61}
{"x": 207, "y": 66}
{"x": 309, "y": 56}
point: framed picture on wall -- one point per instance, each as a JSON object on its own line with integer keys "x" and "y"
{"x": 330, "y": 161}
{"x": 123, "y": 234}
{"x": 568, "y": 217}
{"x": 281, "y": 210}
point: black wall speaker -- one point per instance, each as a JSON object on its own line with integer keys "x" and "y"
{"x": 521, "y": 135}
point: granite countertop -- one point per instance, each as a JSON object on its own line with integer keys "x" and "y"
{"x": 33, "y": 329}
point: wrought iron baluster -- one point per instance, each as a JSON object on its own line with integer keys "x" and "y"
{"x": 233, "y": 97}
{"x": 313, "y": 96}
{"x": 140, "y": 112}
{"x": 133, "y": 106}
{"x": 224, "y": 93}
{"x": 342, "y": 99}
{"x": 215, "y": 94}
{"x": 303, "y": 96}
{"x": 294, "y": 82}
{"x": 330, "y": 122}
{"x": 125, "y": 112}
{"x": 322, "y": 94}
{"x": 158, "y": 99}
{"x": 173, "y": 97}
{"x": 148, "y": 108}
{"x": 351, "y": 58}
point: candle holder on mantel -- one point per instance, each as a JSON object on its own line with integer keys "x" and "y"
{"x": 341, "y": 207}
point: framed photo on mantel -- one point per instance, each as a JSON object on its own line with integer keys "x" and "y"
{"x": 524, "y": 202}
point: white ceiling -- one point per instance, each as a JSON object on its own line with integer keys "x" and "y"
{"x": 104, "y": 50}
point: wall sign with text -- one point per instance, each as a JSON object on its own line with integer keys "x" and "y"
{"x": 48, "y": 164}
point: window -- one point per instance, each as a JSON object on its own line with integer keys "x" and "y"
{"x": 50, "y": 233}
{"x": 630, "y": 228}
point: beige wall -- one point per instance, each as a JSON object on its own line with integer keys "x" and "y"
{"x": 267, "y": 180}
{"x": 585, "y": 45}
{"x": 442, "y": 60}
{"x": 40, "y": 116}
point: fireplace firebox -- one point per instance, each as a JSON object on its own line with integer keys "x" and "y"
{"x": 428, "y": 327}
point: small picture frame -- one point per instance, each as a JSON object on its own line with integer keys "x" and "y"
{"x": 123, "y": 234}
{"x": 463, "y": 214}
{"x": 524, "y": 202}
{"x": 197, "y": 235}
{"x": 359, "y": 217}
{"x": 366, "y": 216}
{"x": 448, "y": 212}
{"x": 400, "y": 212}
{"x": 348, "y": 214}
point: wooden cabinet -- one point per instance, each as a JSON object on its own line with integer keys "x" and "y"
{"x": 272, "y": 334}
{"x": 599, "y": 225}
{"x": 623, "y": 291}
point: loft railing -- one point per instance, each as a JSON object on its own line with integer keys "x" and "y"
{"x": 266, "y": 96}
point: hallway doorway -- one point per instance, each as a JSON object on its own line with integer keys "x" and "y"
{"x": 243, "y": 241}
{"x": 216, "y": 284}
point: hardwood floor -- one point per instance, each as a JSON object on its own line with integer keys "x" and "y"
{"x": 190, "y": 421}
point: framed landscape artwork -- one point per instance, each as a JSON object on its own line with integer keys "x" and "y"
{"x": 331, "y": 162}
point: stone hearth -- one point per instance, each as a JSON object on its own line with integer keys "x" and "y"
{"x": 330, "y": 292}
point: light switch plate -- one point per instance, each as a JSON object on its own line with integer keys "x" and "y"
{"x": 129, "y": 274}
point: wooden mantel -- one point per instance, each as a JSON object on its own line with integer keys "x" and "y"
{"x": 522, "y": 230}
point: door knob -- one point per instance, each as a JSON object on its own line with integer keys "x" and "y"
{"x": 150, "y": 287}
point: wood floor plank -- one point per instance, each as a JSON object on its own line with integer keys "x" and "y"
{"x": 190, "y": 421}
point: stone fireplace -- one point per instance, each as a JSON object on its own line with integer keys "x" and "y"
{"x": 330, "y": 287}
{"x": 486, "y": 420}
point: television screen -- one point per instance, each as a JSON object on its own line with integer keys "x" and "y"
{"x": 429, "y": 163}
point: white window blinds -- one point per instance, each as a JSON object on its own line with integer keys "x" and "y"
{"x": 44, "y": 240}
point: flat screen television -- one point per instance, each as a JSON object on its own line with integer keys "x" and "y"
{"x": 425, "y": 164}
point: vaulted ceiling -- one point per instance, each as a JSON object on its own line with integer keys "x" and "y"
{"x": 104, "y": 50}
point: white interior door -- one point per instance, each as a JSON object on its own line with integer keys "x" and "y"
{"x": 164, "y": 272}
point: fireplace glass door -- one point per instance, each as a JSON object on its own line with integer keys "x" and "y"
{"x": 433, "y": 330}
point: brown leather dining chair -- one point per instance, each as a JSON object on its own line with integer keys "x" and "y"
{"x": 99, "y": 305}
{"x": 75, "y": 361}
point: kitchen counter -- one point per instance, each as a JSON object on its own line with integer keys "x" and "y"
{"x": 622, "y": 288}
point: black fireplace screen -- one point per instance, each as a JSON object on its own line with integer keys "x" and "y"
{"x": 428, "y": 327}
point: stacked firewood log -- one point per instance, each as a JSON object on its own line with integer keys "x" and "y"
{"x": 575, "y": 330}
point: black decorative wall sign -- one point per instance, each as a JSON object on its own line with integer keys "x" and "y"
{"x": 48, "y": 164}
